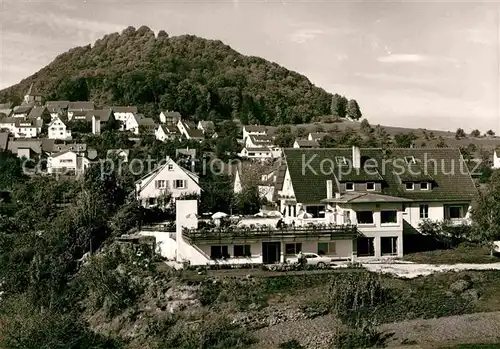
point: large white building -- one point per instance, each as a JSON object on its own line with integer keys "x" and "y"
{"x": 67, "y": 163}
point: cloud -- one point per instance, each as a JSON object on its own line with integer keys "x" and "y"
{"x": 397, "y": 79}
{"x": 403, "y": 58}
{"x": 303, "y": 35}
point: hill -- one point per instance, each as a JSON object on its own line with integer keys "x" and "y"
{"x": 205, "y": 79}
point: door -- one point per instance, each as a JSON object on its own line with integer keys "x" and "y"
{"x": 271, "y": 252}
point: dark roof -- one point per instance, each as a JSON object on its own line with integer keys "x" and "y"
{"x": 34, "y": 144}
{"x": 101, "y": 114}
{"x": 76, "y": 147}
{"x": 305, "y": 143}
{"x": 362, "y": 174}
{"x": 169, "y": 129}
{"x": 145, "y": 122}
{"x": 361, "y": 198}
{"x": 318, "y": 135}
{"x": 37, "y": 112}
{"x": 8, "y": 120}
{"x": 81, "y": 106}
{"x": 55, "y": 105}
{"x": 255, "y": 128}
{"x": 453, "y": 181}
{"x": 172, "y": 114}
{"x": 23, "y": 109}
{"x": 6, "y": 112}
{"x": 22, "y": 122}
{"x": 207, "y": 124}
{"x": 83, "y": 113}
{"x": 413, "y": 172}
{"x": 116, "y": 152}
{"x": 4, "y": 139}
{"x": 121, "y": 109}
{"x": 7, "y": 105}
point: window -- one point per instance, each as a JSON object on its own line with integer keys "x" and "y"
{"x": 424, "y": 211}
{"x": 151, "y": 201}
{"x": 326, "y": 248}
{"x": 242, "y": 251}
{"x": 365, "y": 247}
{"x": 364, "y": 217}
{"x": 455, "y": 212}
{"x": 347, "y": 217}
{"x": 218, "y": 252}
{"x": 349, "y": 186}
{"x": 410, "y": 159}
{"x": 160, "y": 184}
{"x": 292, "y": 249}
{"x": 316, "y": 211}
{"x": 424, "y": 186}
{"x": 370, "y": 186}
{"x": 409, "y": 186}
{"x": 170, "y": 167}
{"x": 388, "y": 217}
{"x": 389, "y": 246}
{"x": 179, "y": 184}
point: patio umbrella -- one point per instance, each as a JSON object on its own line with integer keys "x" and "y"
{"x": 259, "y": 214}
{"x": 275, "y": 214}
{"x": 304, "y": 215}
{"x": 219, "y": 215}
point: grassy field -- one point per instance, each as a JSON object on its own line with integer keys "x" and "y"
{"x": 461, "y": 254}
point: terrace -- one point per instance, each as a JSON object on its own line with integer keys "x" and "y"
{"x": 255, "y": 233}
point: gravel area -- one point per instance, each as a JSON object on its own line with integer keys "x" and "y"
{"x": 425, "y": 334}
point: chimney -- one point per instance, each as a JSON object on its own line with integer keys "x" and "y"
{"x": 356, "y": 157}
{"x": 329, "y": 189}
{"x": 337, "y": 195}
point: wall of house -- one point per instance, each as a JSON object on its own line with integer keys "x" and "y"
{"x": 67, "y": 161}
{"x": 150, "y": 191}
{"x": 166, "y": 246}
{"x": 496, "y": 160}
{"x": 25, "y": 132}
{"x": 436, "y": 212}
{"x": 186, "y": 211}
{"x": 58, "y": 130}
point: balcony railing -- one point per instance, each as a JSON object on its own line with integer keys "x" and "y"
{"x": 334, "y": 232}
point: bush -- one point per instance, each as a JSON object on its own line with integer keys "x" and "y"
{"x": 362, "y": 335}
{"x": 292, "y": 344}
{"x": 353, "y": 292}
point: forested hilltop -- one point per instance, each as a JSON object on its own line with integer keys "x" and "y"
{"x": 203, "y": 79}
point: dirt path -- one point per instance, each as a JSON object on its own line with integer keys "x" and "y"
{"x": 416, "y": 334}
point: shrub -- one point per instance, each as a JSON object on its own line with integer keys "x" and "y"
{"x": 362, "y": 335}
{"x": 353, "y": 292}
{"x": 292, "y": 344}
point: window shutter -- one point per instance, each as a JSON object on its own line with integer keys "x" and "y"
{"x": 185, "y": 184}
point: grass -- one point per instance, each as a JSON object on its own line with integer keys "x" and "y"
{"x": 460, "y": 254}
{"x": 474, "y": 346}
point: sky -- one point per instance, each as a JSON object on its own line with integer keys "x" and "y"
{"x": 414, "y": 64}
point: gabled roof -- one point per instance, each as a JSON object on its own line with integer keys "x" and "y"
{"x": 263, "y": 149}
{"x": 169, "y": 129}
{"x": 77, "y": 147}
{"x": 100, "y": 114}
{"x": 453, "y": 182}
{"x": 7, "y": 105}
{"x": 62, "y": 153}
{"x": 318, "y": 135}
{"x": 122, "y": 109}
{"x": 8, "y": 120}
{"x": 37, "y": 112}
{"x": 6, "y": 112}
{"x": 23, "y": 109}
{"x": 148, "y": 178}
{"x": 193, "y": 133}
{"x": 361, "y": 198}
{"x": 148, "y": 122}
{"x": 34, "y": 144}
{"x": 116, "y": 152}
{"x": 172, "y": 114}
{"x": 305, "y": 143}
{"x": 21, "y": 122}
{"x": 81, "y": 106}
{"x": 207, "y": 124}
{"x": 56, "y": 105}
{"x": 261, "y": 139}
{"x": 255, "y": 128}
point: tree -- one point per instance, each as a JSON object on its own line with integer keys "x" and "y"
{"x": 475, "y": 133}
{"x": 284, "y": 137}
{"x": 353, "y": 112}
{"x": 365, "y": 127}
{"x": 402, "y": 140}
{"x": 338, "y": 106}
{"x": 441, "y": 143}
{"x": 301, "y": 132}
{"x": 460, "y": 133}
{"x": 486, "y": 212}
{"x": 490, "y": 133}
{"x": 248, "y": 201}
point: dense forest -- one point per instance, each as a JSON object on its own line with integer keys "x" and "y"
{"x": 203, "y": 79}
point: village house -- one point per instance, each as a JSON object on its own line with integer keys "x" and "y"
{"x": 26, "y": 128}
{"x": 208, "y": 128}
{"x": 22, "y": 111}
{"x": 57, "y": 129}
{"x": 4, "y": 141}
{"x": 254, "y": 130}
{"x": 39, "y": 115}
{"x": 260, "y": 147}
{"x": 189, "y": 132}
{"x": 305, "y": 143}
{"x": 79, "y": 108}
{"x": 122, "y": 114}
{"x": 496, "y": 158}
{"x": 122, "y": 154}
{"x": 8, "y": 124}
{"x": 170, "y": 179}
{"x": 170, "y": 118}
{"x": 57, "y": 108}
{"x": 166, "y": 133}
{"x": 316, "y": 136}
{"x": 262, "y": 176}
{"x": 79, "y": 148}
{"x": 32, "y": 97}
{"x": 138, "y": 122}
{"x": 67, "y": 163}
{"x": 28, "y": 148}
{"x": 6, "y": 110}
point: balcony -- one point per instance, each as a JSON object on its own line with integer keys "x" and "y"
{"x": 245, "y": 233}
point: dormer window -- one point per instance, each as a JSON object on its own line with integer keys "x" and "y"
{"x": 425, "y": 186}
{"x": 410, "y": 160}
{"x": 370, "y": 186}
{"x": 409, "y": 186}
{"x": 349, "y": 186}
{"x": 340, "y": 160}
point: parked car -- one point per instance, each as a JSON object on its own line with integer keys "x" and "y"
{"x": 313, "y": 259}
